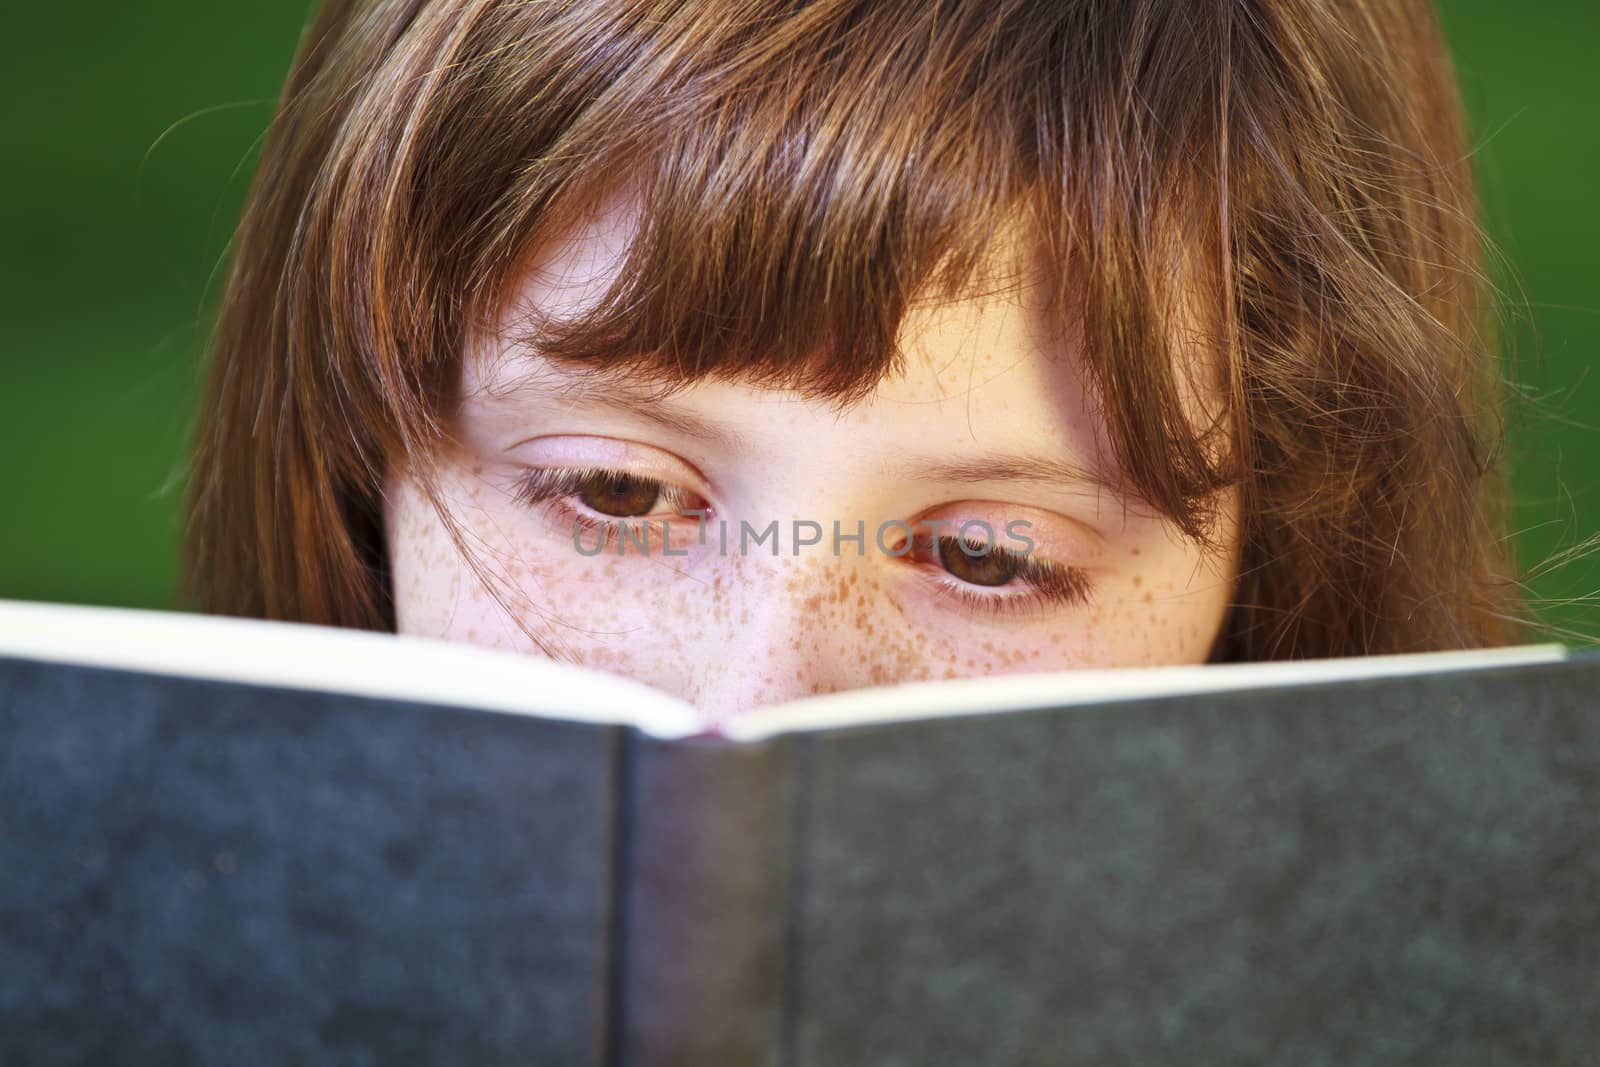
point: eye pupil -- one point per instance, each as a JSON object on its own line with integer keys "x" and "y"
{"x": 983, "y": 567}
{"x": 621, "y": 495}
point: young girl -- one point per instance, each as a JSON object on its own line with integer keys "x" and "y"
{"x": 756, "y": 348}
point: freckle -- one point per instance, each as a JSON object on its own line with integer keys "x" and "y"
{"x": 1147, "y": 597}
{"x": 1134, "y": 550}
{"x": 1137, "y": 581}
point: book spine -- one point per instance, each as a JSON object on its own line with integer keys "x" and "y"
{"x": 705, "y": 877}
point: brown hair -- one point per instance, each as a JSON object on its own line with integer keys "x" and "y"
{"x": 808, "y": 170}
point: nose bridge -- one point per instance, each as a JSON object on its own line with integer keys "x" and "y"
{"x": 789, "y": 641}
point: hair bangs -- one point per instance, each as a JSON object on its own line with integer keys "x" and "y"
{"x": 784, "y": 231}
{"x": 784, "y": 226}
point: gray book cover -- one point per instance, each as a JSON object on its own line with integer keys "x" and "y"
{"x": 1397, "y": 868}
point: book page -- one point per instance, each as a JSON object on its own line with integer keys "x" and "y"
{"x": 335, "y": 659}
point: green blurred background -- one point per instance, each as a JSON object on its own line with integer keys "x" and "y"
{"x": 131, "y": 130}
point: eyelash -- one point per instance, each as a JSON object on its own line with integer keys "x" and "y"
{"x": 1049, "y": 583}
{"x": 544, "y": 485}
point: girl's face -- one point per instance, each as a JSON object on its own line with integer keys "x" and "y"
{"x": 826, "y": 555}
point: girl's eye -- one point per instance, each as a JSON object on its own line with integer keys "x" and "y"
{"x": 985, "y": 568}
{"x": 612, "y": 494}
{"x": 619, "y": 495}
{"x": 1009, "y": 580}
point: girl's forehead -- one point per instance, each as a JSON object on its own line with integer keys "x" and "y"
{"x": 1005, "y": 334}
{"x": 988, "y": 382}
{"x": 585, "y": 250}
{"x": 986, "y": 354}
{"x": 575, "y": 259}
{"x": 1005, "y": 350}
{"x": 953, "y": 417}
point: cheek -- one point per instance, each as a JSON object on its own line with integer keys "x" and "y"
{"x": 442, "y": 593}
{"x": 1150, "y": 618}
{"x": 428, "y": 579}
{"x": 1165, "y": 605}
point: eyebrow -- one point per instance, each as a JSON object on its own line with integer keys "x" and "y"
{"x": 999, "y": 467}
{"x": 601, "y": 391}
{"x": 590, "y": 390}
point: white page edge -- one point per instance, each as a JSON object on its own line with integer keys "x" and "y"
{"x": 1014, "y": 692}
{"x": 335, "y": 659}
{"x": 458, "y": 674}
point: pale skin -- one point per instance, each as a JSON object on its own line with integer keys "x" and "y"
{"x": 731, "y": 631}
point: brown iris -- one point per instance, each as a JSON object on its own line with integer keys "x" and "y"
{"x": 619, "y": 495}
{"x": 987, "y": 565}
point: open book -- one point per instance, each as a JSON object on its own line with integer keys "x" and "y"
{"x": 234, "y": 841}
